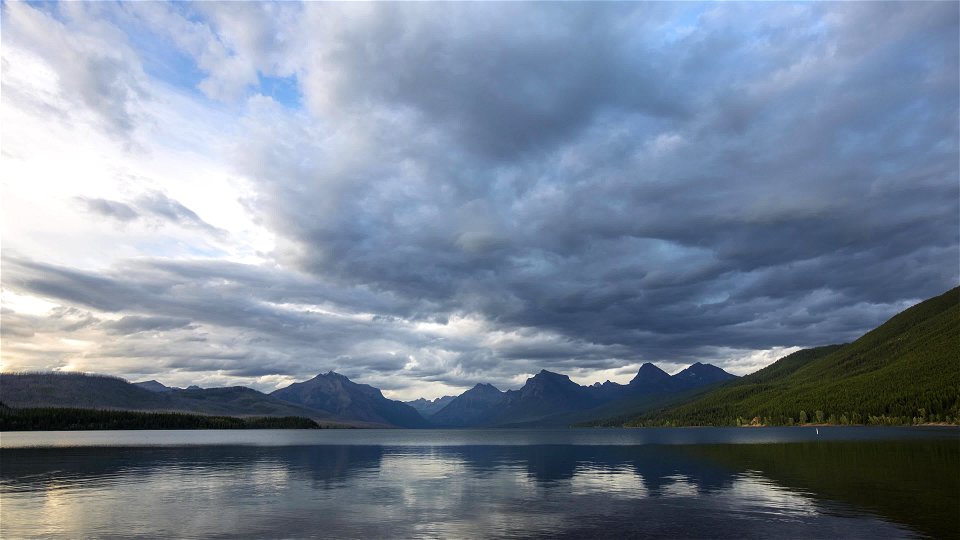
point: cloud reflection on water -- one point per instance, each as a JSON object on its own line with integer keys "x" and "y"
{"x": 377, "y": 491}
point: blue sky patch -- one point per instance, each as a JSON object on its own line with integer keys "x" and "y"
{"x": 283, "y": 90}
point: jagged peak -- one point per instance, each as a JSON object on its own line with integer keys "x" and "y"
{"x": 698, "y": 370}
{"x": 651, "y": 367}
{"x": 700, "y": 366}
{"x": 550, "y": 374}
{"x": 649, "y": 372}
{"x": 330, "y": 375}
{"x": 484, "y": 387}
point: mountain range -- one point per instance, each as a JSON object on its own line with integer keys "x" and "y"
{"x": 334, "y": 400}
{"x": 904, "y": 371}
{"x": 549, "y": 398}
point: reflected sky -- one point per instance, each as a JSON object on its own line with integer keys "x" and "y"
{"x": 464, "y": 491}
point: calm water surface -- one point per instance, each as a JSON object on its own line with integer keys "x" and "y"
{"x": 705, "y": 482}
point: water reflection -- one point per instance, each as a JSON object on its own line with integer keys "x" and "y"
{"x": 787, "y": 490}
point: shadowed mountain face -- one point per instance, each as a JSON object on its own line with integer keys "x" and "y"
{"x": 650, "y": 375}
{"x": 337, "y": 395}
{"x": 699, "y": 375}
{"x": 545, "y": 394}
{"x": 470, "y": 408}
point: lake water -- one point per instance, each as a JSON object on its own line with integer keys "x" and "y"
{"x": 853, "y": 482}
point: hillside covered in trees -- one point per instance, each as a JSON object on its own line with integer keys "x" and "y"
{"x": 906, "y": 371}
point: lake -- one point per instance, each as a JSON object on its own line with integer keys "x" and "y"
{"x": 843, "y": 482}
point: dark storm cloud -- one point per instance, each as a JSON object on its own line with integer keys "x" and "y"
{"x": 599, "y": 184}
{"x": 504, "y": 81}
{"x": 619, "y": 178}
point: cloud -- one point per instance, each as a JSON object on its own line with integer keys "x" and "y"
{"x": 132, "y": 324}
{"x": 164, "y": 207}
{"x": 112, "y": 209}
{"x": 470, "y": 194}
{"x": 504, "y": 83}
{"x": 230, "y": 44}
{"x": 151, "y": 204}
{"x": 795, "y": 174}
{"x": 94, "y": 68}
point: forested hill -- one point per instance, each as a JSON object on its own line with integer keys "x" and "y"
{"x": 66, "y": 419}
{"x": 905, "y": 371}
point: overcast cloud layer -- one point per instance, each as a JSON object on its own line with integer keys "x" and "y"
{"x": 426, "y": 196}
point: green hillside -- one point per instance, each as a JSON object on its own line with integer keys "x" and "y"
{"x": 905, "y": 371}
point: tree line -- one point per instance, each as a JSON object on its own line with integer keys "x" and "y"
{"x": 65, "y": 419}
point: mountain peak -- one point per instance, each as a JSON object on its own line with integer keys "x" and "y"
{"x": 483, "y": 388}
{"x": 336, "y": 394}
{"x": 544, "y": 374}
{"x": 329, "y": 376}
{"x": 469, "y": 407}
{"x": 650, "y": 374}
{"x": 703, "y": 373}
{"x": 546, "y": 379}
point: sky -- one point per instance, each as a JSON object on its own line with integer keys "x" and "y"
{"x": 424, "y": 196}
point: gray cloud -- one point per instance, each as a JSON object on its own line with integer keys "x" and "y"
{"x": 112, "y": 209}
{"x": 132, "y": 324}
{"x": 161, "y": 206}
{"x": 96, "y": 69}
{"x": 794, "y": 166}
{"x": 598, "y": 185}
{"x": 154, "y": 205}
{"x": 504, "y": 83}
